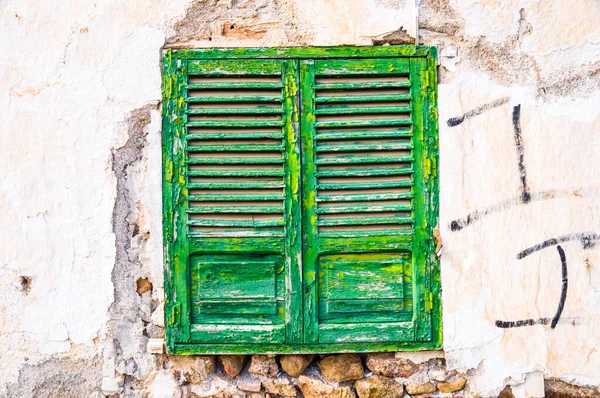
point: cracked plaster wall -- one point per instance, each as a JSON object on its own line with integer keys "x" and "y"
{"x": 80, "y": 213}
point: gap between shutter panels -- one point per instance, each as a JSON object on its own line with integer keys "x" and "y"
{"x": 235, "y": 148}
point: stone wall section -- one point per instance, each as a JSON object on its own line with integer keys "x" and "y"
{"x": 372, "y": 375}
{"x": 376, "y": 375}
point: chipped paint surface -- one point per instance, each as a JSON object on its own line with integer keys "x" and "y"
{"x": 79, "y": 79}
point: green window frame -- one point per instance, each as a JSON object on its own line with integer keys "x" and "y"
{"x": 300, "y": 197}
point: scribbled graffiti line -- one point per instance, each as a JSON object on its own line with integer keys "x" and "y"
{"x": 455, "y": 121}
{"x": 460, "y": 223}
{"x": 588, "y": 241}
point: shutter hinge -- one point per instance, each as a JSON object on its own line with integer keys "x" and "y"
{"x": 174, "y": 315}
{"x": 428, "y": 301}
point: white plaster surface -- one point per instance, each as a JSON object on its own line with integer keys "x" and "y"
{"x": 71, "y": 73}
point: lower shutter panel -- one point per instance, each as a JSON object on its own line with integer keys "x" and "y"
{"x": 240, "y": 155}
{"x": 359, "y": 223}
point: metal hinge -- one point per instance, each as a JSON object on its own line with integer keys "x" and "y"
{"x": 174, "y": 315}
{"x": 428, "y": 301}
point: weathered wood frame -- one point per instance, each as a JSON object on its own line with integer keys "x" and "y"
{"x": 426, "y": 278}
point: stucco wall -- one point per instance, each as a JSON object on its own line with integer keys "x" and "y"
{"x": 80, "y": 212}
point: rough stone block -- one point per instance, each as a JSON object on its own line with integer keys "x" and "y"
{"x": 343, "y": 367}
{"x": 263, "y": 365}
{"x": 379, "y": 387}
{"x": 210, "y": 363}
{"x": 156, "y": 346}
{"x": 281, "y": 386}
{"x": 250, "y": 385}
{"x": 420, "y": 388}
{"x": 560, "y": 389}
{"x": 217, "y": 388}
{"x": 452, "y": 386}
{"x": 312, "y": 387}
{"x": 164, "y": 385}
{"x": 386, "y": 364}
{"x": 506, "y": 393}
{"x": 233, "y": 364}
{"x": 193, "y": 369}
{"x": 294, "y": 365}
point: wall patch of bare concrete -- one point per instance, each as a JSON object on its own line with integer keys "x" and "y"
{"x": 80, "y": 182}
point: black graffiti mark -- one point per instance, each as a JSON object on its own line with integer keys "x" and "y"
{"x": 525, "y": 196}
{"x": 539, "y": 321}
{"x": 516, "y": 119}
{"x": 455, "y": 121}
{"x": 565, "y": 285}
{"x": 523, "y": 322}
{"x": 561, "y": 303}
{"x": 587, "y": 240}
{"x": 461, "y": 223}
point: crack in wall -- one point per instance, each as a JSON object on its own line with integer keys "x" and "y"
{"x": 130, "y": 312}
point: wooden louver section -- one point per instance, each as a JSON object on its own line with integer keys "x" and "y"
{"x": 363, "y": 146}
{"x": 235, "y": 148}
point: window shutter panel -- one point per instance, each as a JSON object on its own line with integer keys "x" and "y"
{"x": 239, "y": 188}
{"x": 361, "y": 129}
{"x": 299, "y": 199}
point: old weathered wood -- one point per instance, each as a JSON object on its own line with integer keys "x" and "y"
{"x": 359, "y": 146}
{"x": 310, "y": 249}
{"x": 305, "y": 53}
{"x": 400, "y": 121}
{"x": 307, "y": 278}
{"x": 220, "y": 67}
{"x": 357, "y": 133}
{"x": 362, "y": 85}
{"x": 293, "y": 211}
{"x": 373, "y": 66}
{"x": 354, "y": 159}
{"x": 370, "y": 172}
{"x": 362, "y": 98}
{"x": 347, "y": 110}
{"x": 235, "y": 111}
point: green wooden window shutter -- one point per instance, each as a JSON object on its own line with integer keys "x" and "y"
{"x": 300, "y": 198}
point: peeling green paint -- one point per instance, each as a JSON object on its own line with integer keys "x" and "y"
{"x": 294, "y": 304}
